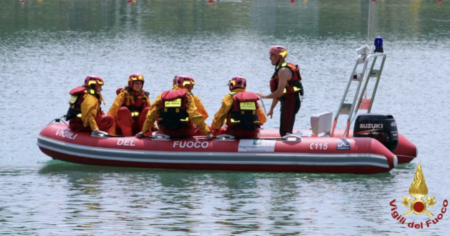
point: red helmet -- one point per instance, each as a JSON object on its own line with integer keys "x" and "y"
{"x": 278, "y": 50}
{"x": 135, "y": 77}
{"x": 237, "y": 82}
{"x": 93, "y": 81}
{"x": 184, "y": 81}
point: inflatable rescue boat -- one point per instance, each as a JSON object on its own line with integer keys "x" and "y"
{"x": 372, "y": 146}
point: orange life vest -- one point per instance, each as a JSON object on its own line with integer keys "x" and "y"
{"x": 243, "y": 111}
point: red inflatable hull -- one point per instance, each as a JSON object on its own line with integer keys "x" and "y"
{"x": 406, "y": 151}
{"x": 308, "y": 154}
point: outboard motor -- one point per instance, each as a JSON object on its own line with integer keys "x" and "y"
{"x": 380, "y": 127}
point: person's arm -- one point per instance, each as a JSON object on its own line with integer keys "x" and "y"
{"x": 284, "y": 74}
{"x": 262, "y": 118}
{"x": 274, "y": 104}
{"x": 152, "y": 115}
{"x": 195, "y": 117}
{"x": 200, "y": 107}
{"x": 221, "y": 115}
{"x": 149, "y": 103}
{"x": 116, "y": 105}
{"x": 89, "y": 110}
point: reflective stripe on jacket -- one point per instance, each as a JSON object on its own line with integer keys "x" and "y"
{"x": 227, "y": 104}
{"x": 85, "y": 104}
{"x": 293, "y": 85}
{"x": 134, "y": 102}
{"x": 194, "y": 115}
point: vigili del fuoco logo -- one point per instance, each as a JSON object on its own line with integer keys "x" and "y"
{"x": 419, "y": 204}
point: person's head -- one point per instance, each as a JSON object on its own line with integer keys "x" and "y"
{"x": 136, "y": 82}
{"x": 94, "y": 82}
{"x": 237, "y": 82}
{"x": 184, "y": 81}
{"x": 277, "y": 54}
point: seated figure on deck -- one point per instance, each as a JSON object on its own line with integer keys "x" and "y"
{"x": 131, "y": 106}
{"x": 200, "y": 108}
{"x": 176, "y": 112}
{"x": 241, "y": 110}
{"x": 85, "y": 113}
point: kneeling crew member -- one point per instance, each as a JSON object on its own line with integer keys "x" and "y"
{"x": 241, "y": 110}
{"x": 176, "y": 113}
{"x": 85, "y": 114}
{"x": 131, "y": 106}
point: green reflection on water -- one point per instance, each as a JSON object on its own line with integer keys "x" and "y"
{"x": 332, "y": 18}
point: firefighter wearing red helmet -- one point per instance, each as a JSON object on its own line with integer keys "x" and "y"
{"x": 286, "y": 87}
{"x": 178, "y": 80}
{"x": 241, "y": 111}
{"x": 85, "y": 114}
{"x": 131, "y": 106}
{"x": 176, "y": 113}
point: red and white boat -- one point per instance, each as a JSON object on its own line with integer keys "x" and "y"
{"x": 376, "y": 146}
{"x": 318, "y": 155}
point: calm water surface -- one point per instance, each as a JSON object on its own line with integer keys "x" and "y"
{"x": 47, "y": 47}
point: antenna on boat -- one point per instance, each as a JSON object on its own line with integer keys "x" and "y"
{"x": 369, "y": 20}
{"x": 365, "y": 69}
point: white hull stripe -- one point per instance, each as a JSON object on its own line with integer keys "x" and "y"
{"x": 306, "y": 159}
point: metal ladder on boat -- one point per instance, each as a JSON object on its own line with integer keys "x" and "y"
{"x": 365, "y": 69}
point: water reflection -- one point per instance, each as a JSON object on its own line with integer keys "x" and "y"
{"x": 235, "y": 202}
{"x": 281, "y": 18}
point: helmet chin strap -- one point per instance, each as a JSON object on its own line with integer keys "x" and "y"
{"x": 278, "y": 63}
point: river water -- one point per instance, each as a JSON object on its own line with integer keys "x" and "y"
{"x": 47, "y": 47}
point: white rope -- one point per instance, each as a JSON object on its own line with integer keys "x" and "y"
{"x": 263, "y": 106}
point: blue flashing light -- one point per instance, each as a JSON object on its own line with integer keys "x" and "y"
{"x": 378, "y": 44}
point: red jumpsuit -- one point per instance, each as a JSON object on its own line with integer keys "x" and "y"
{"x": 91, "y": 116}
{"x": 129, "y": 110}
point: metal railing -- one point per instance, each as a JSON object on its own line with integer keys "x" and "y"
{"x": 370, "y": 69}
